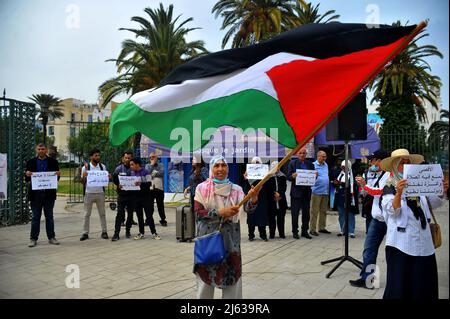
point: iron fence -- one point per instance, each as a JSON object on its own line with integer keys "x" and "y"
{"x": 17, "y": 139}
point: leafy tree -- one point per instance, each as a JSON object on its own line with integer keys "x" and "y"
{"x": 307, "y": 13}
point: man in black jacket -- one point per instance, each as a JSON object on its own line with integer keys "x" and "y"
{"x": 300, "y": 195}
{"x": 42, "y": 199}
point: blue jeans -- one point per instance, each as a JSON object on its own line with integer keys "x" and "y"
{"x": 39, "y": 203}
{"x": 374, "y": 238}
{"x": 351, "y": 220}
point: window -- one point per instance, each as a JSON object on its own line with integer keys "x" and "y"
{"x": 72, "y": 117}
{"x": 90, "y": 118}
{"x": 72, "y": 131}
{"x": 51, "y": 130}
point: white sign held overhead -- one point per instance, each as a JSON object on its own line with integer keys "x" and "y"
{"x": 423, "y": 180}
{"x": 44, "y": 180}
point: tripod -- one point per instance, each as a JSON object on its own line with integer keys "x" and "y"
{"x": 341, "y": 259}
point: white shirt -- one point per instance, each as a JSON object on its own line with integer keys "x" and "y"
{"x": 415, "y": 241}
{"x": 90, "y": 189}
{"x": 370, "y": 188}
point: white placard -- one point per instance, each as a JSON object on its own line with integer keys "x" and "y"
{"x": 257, "y": 171}
{"x": 97, "y": 178}
{"x": 128, "y": 183}
{"x": 423, "y": 180}
{"x": 305, "y": 177}
{"x": 44, "y": 180}
{"x": 3, "y": 177}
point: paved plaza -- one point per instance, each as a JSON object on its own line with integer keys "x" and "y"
{"x": 280, "y": 268}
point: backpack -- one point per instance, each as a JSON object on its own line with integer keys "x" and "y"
{"x": 83, "y": 180}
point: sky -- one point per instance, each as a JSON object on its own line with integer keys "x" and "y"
{"x": 60, "y": 47}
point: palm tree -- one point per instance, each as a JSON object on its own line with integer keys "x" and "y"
{"x": 408, "y": 74}
{"x": 49, "y": 107}
{"x": 251, "y": 21}
{"x": 163, "y": 46}
{"x": 307, "y": 13}
{"x": 439, "y": 131}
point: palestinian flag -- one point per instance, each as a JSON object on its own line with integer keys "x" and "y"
{"x": 296, "y": 82}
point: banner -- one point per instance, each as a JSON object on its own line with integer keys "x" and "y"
{"x": 3, "y": 177}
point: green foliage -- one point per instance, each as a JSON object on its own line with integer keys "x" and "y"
{"x": 161, "y": 46}
{"x": 95, "y": 135}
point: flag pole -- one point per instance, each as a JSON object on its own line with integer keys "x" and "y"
{"x": 288, "y": 156}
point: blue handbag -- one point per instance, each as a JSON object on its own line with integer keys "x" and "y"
{"x": 209, "y": 249}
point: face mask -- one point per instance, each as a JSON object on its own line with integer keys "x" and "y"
{"x": 218, "y": 181}
{"x": 374, "y": 168}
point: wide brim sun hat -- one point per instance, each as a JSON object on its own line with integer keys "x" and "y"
{"x": 386, "y": 164}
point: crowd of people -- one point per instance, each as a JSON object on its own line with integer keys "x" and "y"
{"x": 217, "y": 205}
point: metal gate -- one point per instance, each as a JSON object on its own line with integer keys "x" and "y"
{"x": 17, "y": 140}
{"x": 95, "y": 135}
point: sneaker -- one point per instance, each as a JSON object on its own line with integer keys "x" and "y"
{"x": 324, "y": 231}
{"x": 32, "y": 243}
{"x": 340, "y": 234}
{"x": 156, "y": 236}
{"x": 163, "y": 223}
{"x": 352, "y": 235}
{"x": 53, "y": 241}
{"x": 115, "y": 237}
{"x": 139, "y": 236}
{"x": 264, "y": 238}
{"x": 314, "y": 233}
{"x": 84, "y": 237}
{"x": 105, "y": 235}
{"x": 360, "y": 283}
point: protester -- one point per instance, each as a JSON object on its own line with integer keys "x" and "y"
{"x": 319, "y": 197}
{"x": 124, "y": 198}
{"x": 141, "y": 201}
{"x": 300, "y": 195}
{"x": 198, "y": 174}
{"x": 260, "y": 218}
{"x": 352, "y": 208}
{"x": 157, "y": 186}
{"x": 216, "y": 202}
{"x": 410, "y": 255}
{"x": 42, "y": 199}
{"x": 278, "y": 203}
{"x": 93, "y": 194}
{"x": 372, "y": 187}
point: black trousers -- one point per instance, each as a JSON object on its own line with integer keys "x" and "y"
{"x": 261, "y": 230}
{"x": 124, "y": 202}
{"x": 302, "y": 203}
{"x": 143, "y": 205}
{"x": 159, "y": 196}
{"x": 276, "y": 219}
{"x": 410, "y": 277}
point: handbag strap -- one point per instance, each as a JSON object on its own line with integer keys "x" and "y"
{"x": 431, "y": 210}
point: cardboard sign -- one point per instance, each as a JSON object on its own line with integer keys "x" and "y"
{"x": 128, "y": 183}
{"x": 257, "y": 171}
{"x": 423, "y": 180}
{"x": 44, "y": 180}
{"x": 97, "y": 178}
{"x": 305, "y": 177}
